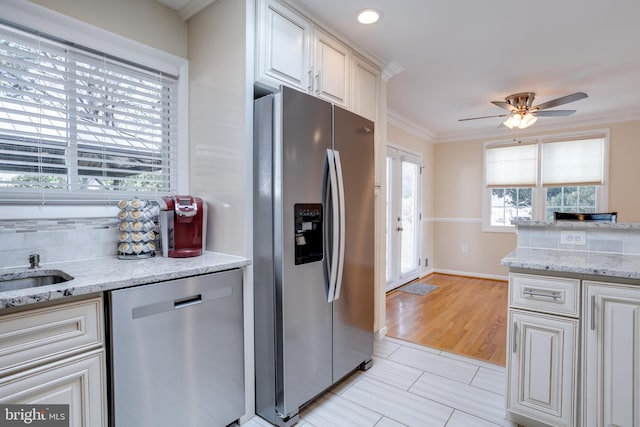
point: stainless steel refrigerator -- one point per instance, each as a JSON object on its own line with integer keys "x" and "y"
{"x": 313, "y": 249}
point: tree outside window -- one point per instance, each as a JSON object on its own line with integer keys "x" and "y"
{"x": 510, "y": 204}
{"x": 571, "y": 199}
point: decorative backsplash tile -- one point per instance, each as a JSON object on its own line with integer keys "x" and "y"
{"x": 57, "y": 240}
{"x": 615, "y": 238}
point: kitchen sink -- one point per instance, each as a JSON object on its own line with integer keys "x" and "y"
{"x": 31, "y": 279}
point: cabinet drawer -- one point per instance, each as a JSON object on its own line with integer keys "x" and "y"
{"x": 546, "y": 294}
{"x": 37, "y": 336}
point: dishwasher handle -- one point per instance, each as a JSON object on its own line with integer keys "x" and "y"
{"x": 175, "y": 304}
{"x": 185, "y": 302}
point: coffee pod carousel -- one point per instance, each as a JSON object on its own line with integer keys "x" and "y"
{"x": 138, "y": 229}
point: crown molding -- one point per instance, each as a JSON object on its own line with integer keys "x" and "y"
{"x": 390, "y": 70}
{"x": 396, "y": 119}
{"x": 192, "y": 8}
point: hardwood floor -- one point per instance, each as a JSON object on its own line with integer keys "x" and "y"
{"x": 464, "y": 315}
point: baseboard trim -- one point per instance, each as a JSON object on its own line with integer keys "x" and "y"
{"x": 470, "y": 274}
{"x": 380, "y": 333}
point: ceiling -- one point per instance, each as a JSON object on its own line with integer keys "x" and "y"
{"x": 456, "y": 56}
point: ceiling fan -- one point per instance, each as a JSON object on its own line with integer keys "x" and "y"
{"x": 523, "y": 114}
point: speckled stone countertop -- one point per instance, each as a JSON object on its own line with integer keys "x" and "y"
{"x": 581, "y": 262}
{"x": 104, "y": 274}
{"x": 579, "y": 225}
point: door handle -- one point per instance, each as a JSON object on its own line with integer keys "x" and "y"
{"x": 515, "y": 337}
{"x": 593, "y": 312}
{"x": 400, "y": 228}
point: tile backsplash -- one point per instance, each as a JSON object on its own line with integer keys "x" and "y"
{"x": 57, "y": 240}
{"x": 605, "y": 238}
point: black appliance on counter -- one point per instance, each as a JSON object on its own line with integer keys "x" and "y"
{"x": 594, "y": 217}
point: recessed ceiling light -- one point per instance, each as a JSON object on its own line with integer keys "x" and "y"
{"x": 368, "y": 16}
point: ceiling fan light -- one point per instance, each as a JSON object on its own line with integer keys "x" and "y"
{"x": 520, "y": 120}
{"x": 513, "y": 121}
{"x": 527, "y": 120}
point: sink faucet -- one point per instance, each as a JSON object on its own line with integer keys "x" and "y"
{"x": 34, "y": 260}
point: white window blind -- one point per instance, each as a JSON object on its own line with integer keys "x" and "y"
{"x": 577, "y": 162}
{"x": 79, "y": 123}
{"x": 511, "y": 166}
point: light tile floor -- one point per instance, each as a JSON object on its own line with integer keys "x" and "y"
{"x": 412, "y": 385}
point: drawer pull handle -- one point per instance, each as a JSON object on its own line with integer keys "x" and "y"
{"x": 533, "y": 294}
{"x": 515, "y": 337}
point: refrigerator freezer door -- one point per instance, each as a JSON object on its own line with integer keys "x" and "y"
{"x": 305, "y": 315}
{"x": 353, "y": 309}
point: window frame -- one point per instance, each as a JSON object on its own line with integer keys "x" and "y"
{"x": 538, "y": 193}
{"x": 59, "y": 26}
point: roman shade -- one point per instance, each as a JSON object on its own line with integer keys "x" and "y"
{"x": 511, "y": 165}
{"x": 576, "y": 162}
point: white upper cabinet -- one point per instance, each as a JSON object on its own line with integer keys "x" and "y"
{"x": 291, "y": 50}
{"x": 365, "y": 88}
{"x": 332, "y": 69}
{"x": 611, "y": 386}
{"x": 283, "y": 46}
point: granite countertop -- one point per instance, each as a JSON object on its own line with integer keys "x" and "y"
{"x": 581, "y": 262}
{"x": 104, "y": 274}
{"x": 578, "y": 224}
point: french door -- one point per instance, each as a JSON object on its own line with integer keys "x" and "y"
{"x": 403, "y": 217}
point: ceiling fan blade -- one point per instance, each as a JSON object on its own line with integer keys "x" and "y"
{"x": 483, "y": 117}
{"x": 504, "y": 105}
{"x": 553, "y": 113}
{"x": 560, "y": 101}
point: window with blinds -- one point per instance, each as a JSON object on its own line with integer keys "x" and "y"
{"x": 79, "y": 124}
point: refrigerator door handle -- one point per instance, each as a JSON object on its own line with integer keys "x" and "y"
{"x": 341, "y": 223}
{"x": 332, "y": 261}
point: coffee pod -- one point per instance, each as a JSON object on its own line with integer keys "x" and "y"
{"x": 149, "y": 226}
{"x": 149, "y": 247}
{"x": 137, "y": 248}
{"x": 147, "y": 215}
{"x": 135, "y": 214}
{"x": 122, "y": 204}
{"x": 154, "y": 209}
{"x": 125, "y": 237}
{"x": 137, "y": 204}
{"x": 150, "y": 235}
{"x": 136, "y": 226}
{"x": 124, "y": 226}
{"x": 136, "y": 236}
{"x": 123, "y": 214}
{"x": 125, "y": 248}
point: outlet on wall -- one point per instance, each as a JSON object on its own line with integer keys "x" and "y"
{"x": 573, "y": 237}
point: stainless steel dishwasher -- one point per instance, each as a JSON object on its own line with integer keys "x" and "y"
{"x": 176, "y": 352}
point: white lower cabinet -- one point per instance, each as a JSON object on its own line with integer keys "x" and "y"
{"x": 611, "y": 355}
{"x": 542, "y": 370}
{"x": 77, "y": 381}
{"x": 55, "y": 355}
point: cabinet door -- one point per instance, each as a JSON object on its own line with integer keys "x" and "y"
{"x": 332, "y": 69}
{"x": 365, "y": 88}
{"x": 283, "y": 45}
{"x": 611, "y": 387}
{"x": 77, "y": 381}
{"x": 542, "y": 367}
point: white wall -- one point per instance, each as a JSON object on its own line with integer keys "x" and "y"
{"x": 145, "y": 21}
